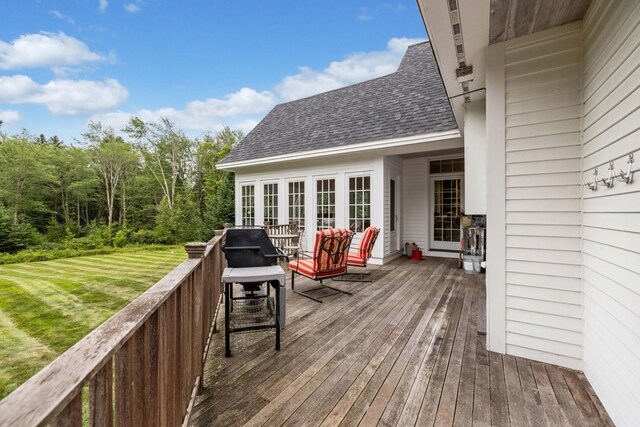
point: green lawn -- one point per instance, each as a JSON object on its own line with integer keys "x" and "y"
{"x": 46, "y": 307}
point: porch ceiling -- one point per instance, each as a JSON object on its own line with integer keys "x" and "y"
{"x": 516, "y": 18}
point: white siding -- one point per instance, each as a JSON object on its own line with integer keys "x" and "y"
{"x": 475, "y": 159}
{"x": 415, "y": 209}
{"x": 611, "y": 216}
{"x": 392, "y": 170}
{"x": 542, "y": 198}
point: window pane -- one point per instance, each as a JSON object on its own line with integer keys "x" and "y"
{"x": 296, "y": 202}
{"x": 325, "y": 206}
{"x": 359, "y": 208}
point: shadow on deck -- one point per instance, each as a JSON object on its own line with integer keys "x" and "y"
{"x": 407, "y": 349}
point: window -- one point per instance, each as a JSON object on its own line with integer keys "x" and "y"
{"x": 248, "y": 205}
{"x": 446, "y": 166}
{"x": 296, "y": 202}
{"x": 326, "y": 203}
{"x": 392, "y": 204}
{"x": 271, "y": 203}
{"x": 359, "y": 203}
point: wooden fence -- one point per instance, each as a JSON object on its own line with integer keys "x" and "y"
{"x": 141, "y": 367}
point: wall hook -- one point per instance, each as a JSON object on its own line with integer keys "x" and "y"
{"x": 593, "y": 185}
{"x": 608, "y": 182}
{"x": 626, "y": 177}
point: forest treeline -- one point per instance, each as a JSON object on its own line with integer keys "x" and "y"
{"x": 149, "y": 184}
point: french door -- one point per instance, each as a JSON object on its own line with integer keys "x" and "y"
{"x": 446, "y": 210}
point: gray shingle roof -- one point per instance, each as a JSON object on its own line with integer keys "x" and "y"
{"x": 411, "y": 101}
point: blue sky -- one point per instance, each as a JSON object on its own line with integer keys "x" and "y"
{"x": 203, "y": 64}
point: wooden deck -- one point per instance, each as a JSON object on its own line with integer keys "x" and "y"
{"x": 407, "y": 349}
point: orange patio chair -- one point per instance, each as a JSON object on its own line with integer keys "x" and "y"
{"x": 329, "y": 259}
{"x": 361, "y": 256}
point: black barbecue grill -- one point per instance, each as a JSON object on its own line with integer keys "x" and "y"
{"x": 250, "y": 247}
{"x": 251, "y": 250}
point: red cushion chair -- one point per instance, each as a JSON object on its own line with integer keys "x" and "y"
{"x": 360, "y": 257}
{"x": 329, "y": 259}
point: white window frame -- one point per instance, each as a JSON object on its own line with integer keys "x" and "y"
{"x": 317, "y": 205}
{"x": 247, "y": 220}
{"x": 348, "y": 178}
{"x": 270, "y": 200}
{"x": 301, "y": 207}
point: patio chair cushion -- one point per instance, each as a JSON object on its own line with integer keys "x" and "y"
{"x": 305, "y": 268}
{"x": 329, "y": 258}
{"x": 365, "y": 248}
{"x": 355, "y": 260}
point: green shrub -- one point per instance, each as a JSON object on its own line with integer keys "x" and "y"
{"x": 100, "y": 233}
{"x": 121, "y": 238}
{"x": 142, "y": 237}
{"x": 55, "y": 231}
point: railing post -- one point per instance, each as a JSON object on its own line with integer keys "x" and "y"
{"x": 195, "y": 249}
{"x": 197, "y": 300}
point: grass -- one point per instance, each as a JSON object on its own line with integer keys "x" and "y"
{"x": 46, "y": 307}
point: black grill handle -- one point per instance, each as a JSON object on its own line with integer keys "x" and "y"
{"x": 241, "y": 248}
{"x": 280, "y": 254}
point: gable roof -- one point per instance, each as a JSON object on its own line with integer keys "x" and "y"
{"x": 411, "y": 101}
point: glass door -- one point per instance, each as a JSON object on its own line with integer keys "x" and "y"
{"x": 446, "y": 211}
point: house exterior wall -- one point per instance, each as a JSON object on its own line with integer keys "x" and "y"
{"x": 392, "y": 170}
{"x": 611, "y": 216}
{"x": 363, "y": 164}
{"x": 475, "y": 158}
{"x": 415, "y": 218}
{"x": 542, "y": 199}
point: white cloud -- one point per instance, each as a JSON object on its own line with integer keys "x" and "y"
{"x": 244, "y": 109}
{"x": 134, "y": 6}
{"x": 45, "y": 50}
{"x": 102, "y": 5}
{"x": 367, "y": 13}
{"x": 237, "y": 109}
{"x": 9, "y": 117}
{"x": 131, "y": 7}
{"x": 354, "y": 68}
{"x": 63, "y": 97}
{"x": 62, "y": 17}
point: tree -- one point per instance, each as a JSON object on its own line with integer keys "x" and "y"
{"x": 25, "y": 177}
{"x": 112, "y": 158}
{"x": 220, "y": 206}
{"x": 75, "y": 177}
{"x": 166, "y": 152}
{"x": 54, "y": 140}
{"x": 6, "y": 244}
{"x": 216, "y": 187}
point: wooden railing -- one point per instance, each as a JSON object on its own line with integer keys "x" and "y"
{"x": 141, "y": 367}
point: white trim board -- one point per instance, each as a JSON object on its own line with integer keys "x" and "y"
{"x": 352, "y": 148}
{"x": 496, "y": 204}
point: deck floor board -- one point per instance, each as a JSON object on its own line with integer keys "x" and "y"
{"x": 407, "y": 349}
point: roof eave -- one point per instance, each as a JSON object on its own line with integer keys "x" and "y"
{"x": 347, "y": 149}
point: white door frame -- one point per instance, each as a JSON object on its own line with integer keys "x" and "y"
{"x": 446, "y": 246}
{"x": 394, "y": 236}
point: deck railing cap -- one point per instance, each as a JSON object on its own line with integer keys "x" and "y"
{"x": 195, "y": 249}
